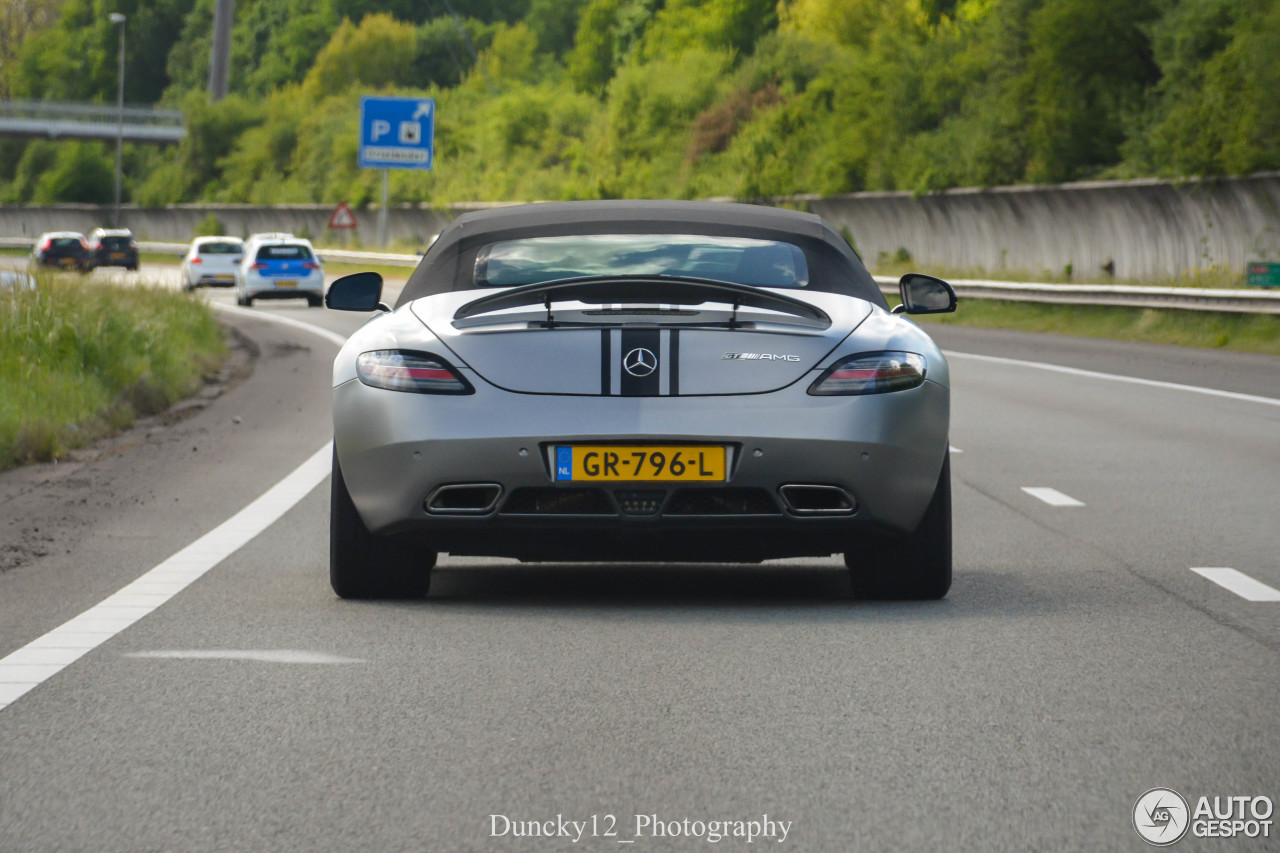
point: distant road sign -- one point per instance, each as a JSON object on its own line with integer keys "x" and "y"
{"x": 1264, "y": 274}
{"x": 342, "y": 216}
{"x": 397, "y": 133}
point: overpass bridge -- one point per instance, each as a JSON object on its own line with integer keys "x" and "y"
{"x": 62, "y": 120}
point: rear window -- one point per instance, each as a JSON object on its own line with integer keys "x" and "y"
{"x": 737, "y": 260}
{"x": 220, "y": 249}
{"x": 117, "y": 242}
{"x": 292, "y": 252}
{"x": 65, "y": 242}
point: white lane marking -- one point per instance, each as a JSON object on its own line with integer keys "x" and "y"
{"x": 27, "y": 667}
{"x": 1240, "y": 583}
{"x": 956, "y": 450}
{"x": 282, "y": 320}
{"x": 1112, "y": 377}
{"x": 1052, "y": 497}
{"x": 258, "y": 655}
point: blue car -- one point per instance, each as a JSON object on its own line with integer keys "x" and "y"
{"x": 279, "y": 266}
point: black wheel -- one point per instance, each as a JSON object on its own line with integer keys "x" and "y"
{"x": 912, "y": 567}
{"x": 362, "y": 565}
{"x": 315, "y": 301}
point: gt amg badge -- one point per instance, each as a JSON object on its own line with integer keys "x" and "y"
{"x": 760, "y": 356}
{"x": 640, "y": 362}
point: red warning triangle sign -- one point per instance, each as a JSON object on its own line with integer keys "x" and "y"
{"x": 342, "y": 216}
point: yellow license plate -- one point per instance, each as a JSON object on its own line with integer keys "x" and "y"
{"x": 117, "y": 256}
{"x": 640, "y": 463}
{"x": 66, "y": 262}
{"x": 286, "y": 284}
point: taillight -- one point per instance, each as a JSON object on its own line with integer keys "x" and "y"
{"x": 84, "y": 245}
{"x": 419, "y": 373}
{"x": 44, "y": 247}
{"x": 196, "y": 260}
{"x": 310, "y": 265}
{"x": 259, "y": 265}
{"x": 871, "y": 373}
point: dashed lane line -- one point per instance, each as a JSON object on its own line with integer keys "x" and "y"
{"x": 1241, "y": 584}
{"x": 1052, "y": 497}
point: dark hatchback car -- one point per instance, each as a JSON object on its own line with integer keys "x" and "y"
{"x": 65, "y": 250}
{"x": 113, "y": 247}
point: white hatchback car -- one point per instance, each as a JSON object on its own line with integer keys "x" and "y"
{"x": 212, "y": 261}
{"x": 279, "y": 266}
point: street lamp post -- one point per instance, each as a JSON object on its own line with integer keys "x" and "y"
{"x": 118, "y": 18}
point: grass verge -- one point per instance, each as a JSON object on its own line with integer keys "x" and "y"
{"x": 80, "y": 359}
{"x": 1258, "y": 333}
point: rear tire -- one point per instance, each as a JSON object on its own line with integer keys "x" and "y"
{"x": 315, "y": 301}
{"x": 914, "y": 567}
{"x": 363, "y": 565}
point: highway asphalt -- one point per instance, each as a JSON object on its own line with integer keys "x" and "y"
{"x": 1077, "y": 663}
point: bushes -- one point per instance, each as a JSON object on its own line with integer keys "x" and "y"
{"x": 683, "y": 98}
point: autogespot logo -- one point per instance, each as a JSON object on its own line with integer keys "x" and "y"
{"x": 1161, "y": 817}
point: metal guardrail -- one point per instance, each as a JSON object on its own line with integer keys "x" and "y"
{"x": 1127, "y": 296}
{"x": 91, "y": 121}
{"x": 1119, "y": 295}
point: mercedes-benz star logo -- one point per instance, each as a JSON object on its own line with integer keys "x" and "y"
{"x": 640, "y": 362}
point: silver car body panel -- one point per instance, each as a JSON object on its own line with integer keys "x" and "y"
{"x": 537, "y": 388}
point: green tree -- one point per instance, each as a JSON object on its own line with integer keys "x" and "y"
{"x": 1216, "y": 110}
{"x": 444, "y": 56}
{"x": 81, "y": 171}
{"x": 377, "y": 52}
{"x": 592, "y": 60}
{"x": 1089, "y": 65}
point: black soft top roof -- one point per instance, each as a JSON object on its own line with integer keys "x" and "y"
{"x": 450, "y": 262}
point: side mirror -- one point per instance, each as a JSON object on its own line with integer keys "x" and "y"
{"x": 359, "y": 291}
{"x": 924, "y": 294}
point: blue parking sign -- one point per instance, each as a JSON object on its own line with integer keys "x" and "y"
{"x": 397, "y": 133}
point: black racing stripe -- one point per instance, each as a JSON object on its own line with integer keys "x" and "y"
{"x": 674, "y": 366}
{"x": 641, "y": 339}
{"x": 606, "y": 364}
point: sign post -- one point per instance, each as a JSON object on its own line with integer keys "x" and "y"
{"x": 395, "y": 133}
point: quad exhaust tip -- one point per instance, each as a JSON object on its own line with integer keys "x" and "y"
{"x": 463, "y": 499}
{"x": 815, "y": 499}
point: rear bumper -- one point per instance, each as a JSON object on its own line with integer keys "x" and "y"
{"x": 264, "y": 288}
{"x": 396, "y": 449}
{"x": 126, "y": 259}
{"x": 63, "y": 262}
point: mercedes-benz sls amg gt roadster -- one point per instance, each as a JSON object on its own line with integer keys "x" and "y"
{"x": 640, "y": 381}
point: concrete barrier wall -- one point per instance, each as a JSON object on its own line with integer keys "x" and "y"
{"x": 1139, "y": 230}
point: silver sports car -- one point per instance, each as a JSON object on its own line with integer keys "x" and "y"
{"x": 629, "y": 380}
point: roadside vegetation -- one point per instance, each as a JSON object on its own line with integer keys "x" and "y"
{"x": 569, "y": 99}
{"x": 1258, "y": 333}
{"x": 80, "y": 359}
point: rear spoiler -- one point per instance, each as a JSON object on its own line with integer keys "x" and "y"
{"x": 644, "y": 290}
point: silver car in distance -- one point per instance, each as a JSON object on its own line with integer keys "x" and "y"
{"x": 641, "y": 380}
